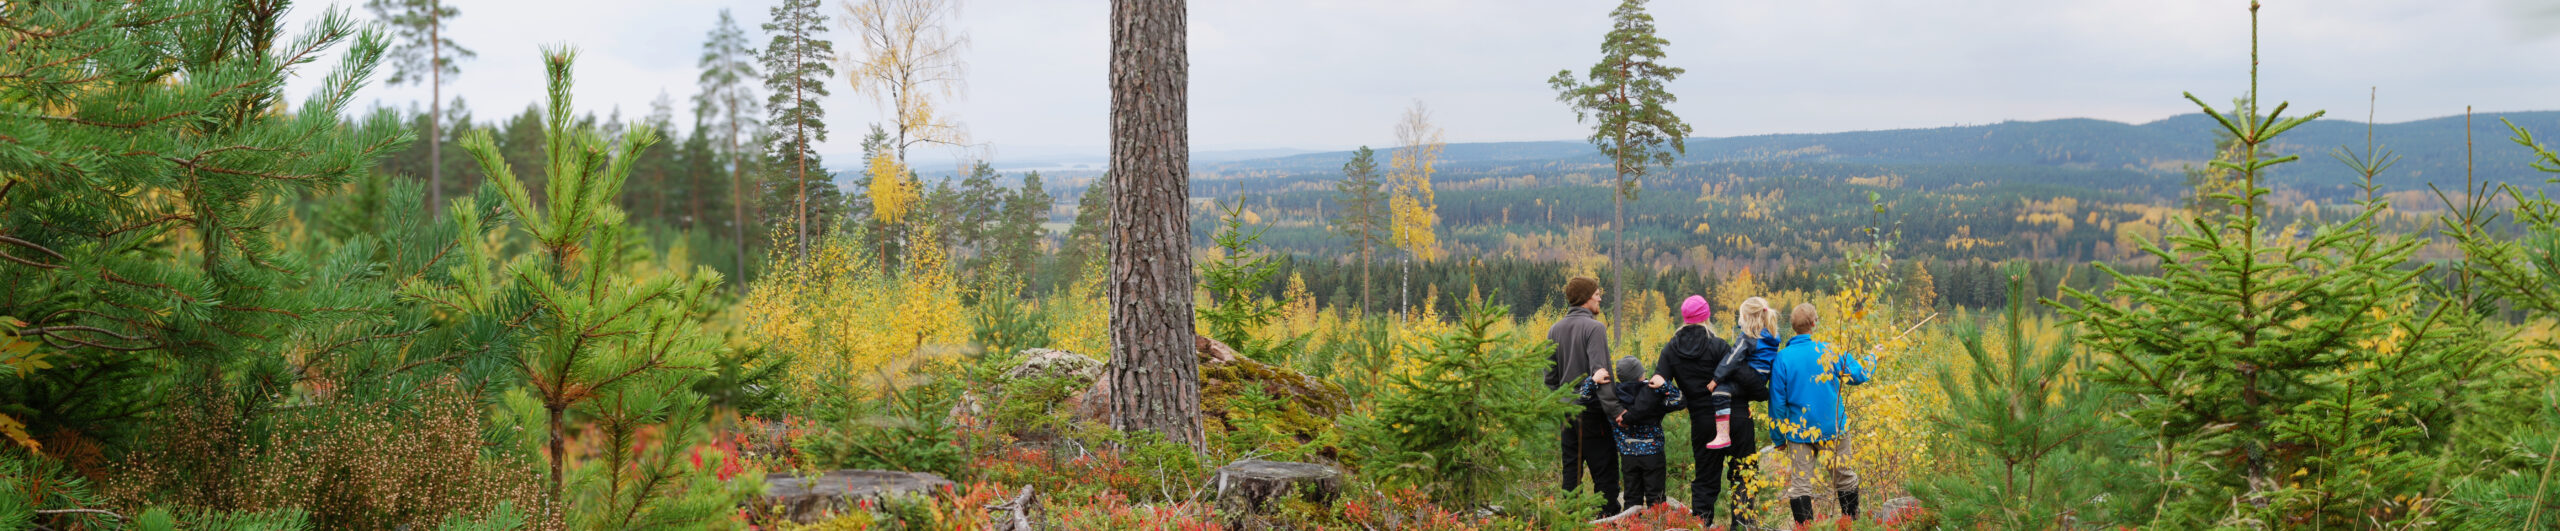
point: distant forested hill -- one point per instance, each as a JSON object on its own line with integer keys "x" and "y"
{"x": 2433, "y": 150}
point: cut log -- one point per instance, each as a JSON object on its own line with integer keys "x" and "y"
{"x": 1252, "y": 487}
{"x": 805, "y": 500}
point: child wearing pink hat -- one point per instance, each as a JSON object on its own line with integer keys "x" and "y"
{"x": 1697, "y": 311}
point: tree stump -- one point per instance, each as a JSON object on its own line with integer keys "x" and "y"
{"x": 1251, "y": 487}
{"x": 1021, "y": 514}
{"x": 805, "y": 500}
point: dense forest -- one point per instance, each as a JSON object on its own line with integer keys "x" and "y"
{"x": 223, "y": 306}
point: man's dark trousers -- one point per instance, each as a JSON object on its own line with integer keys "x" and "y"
{"x": 1588, "y": 446}
{"x": 1717, "y": 467}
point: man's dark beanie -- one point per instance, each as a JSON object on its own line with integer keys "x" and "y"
{"x": 1578, "y": 291}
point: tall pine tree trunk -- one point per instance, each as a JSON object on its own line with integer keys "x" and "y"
{"x": 738, "y": 198}
{"x": 1364, "y": 274}
{"x": 1617, "y": 255}
{"x": 1155, "y": 382}
{"x": 800, "y": 159}
{"x": 435, "y": 114}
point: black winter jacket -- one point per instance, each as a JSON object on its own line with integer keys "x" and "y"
{"x": 1691, "y": 360}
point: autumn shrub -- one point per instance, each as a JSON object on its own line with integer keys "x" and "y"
{"x": 1097, "y": 461}
{"x": 961, "y": 507}
{"x": 842, "y": 312}
{"x": 1113, "y": 510}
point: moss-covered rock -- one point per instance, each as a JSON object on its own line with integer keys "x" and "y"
{"x": 1252, "y": 403}
{"x": 1281, "y": 411}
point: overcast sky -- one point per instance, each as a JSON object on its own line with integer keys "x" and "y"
{"x": 1331, "y": 74}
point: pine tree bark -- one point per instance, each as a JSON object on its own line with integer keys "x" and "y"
{"x": 800, "y": 160}
{"x": 1618, "y": 236}
{"x": 1155, "y": 380}
{"x": 435, "y": 113}
{"x": 738, "y": 197}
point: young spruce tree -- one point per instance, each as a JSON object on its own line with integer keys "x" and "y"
{"x": 2252, "y": 356}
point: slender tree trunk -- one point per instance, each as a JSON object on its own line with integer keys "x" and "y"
{"x": 1364, "y": 274}
{"x": 559, "y": 449}
{"x": 738, "y": 197}
{"x": 1618, "y": 223}
{"x": 800, "y": 158}
{"x": 1618, "y": 253}
{"x": 1155, "y": 382}
{"x": 435, "y": 114}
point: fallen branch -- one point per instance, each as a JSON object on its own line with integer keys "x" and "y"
{"x": 110, "y": 514}
{"x": 1020, "y": 510}
{"x": 1632, "y": 511}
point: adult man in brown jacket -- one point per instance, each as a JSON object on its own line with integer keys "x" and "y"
{"x": 1582, "y": 348}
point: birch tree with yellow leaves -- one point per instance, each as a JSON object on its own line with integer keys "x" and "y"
{"x": 1414, "y": 212}
{"x": 910, "y": 58}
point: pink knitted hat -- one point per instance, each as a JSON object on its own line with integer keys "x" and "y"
{"x": 1696, "y": 310}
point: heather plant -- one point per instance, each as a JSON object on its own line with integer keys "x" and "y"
{"x": 342, "y": 464}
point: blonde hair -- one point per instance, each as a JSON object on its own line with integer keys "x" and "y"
{"x": 1757, "y": 316}
{"x": 1805, "y": 316}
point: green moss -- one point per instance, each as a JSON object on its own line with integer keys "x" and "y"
{"x": 1262, "y": 408}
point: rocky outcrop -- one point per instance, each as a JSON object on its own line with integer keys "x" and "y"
{"x": 1250, "y": 488}
{"x": 808, "y": 500}
{"x": 1041, "y": 362}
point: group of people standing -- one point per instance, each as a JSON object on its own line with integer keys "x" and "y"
{"x": 1618, "y": 433}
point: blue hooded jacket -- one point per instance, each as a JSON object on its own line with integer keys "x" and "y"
{"x": 1804, "y": 405}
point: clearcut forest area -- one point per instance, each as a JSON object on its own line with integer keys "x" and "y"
{"x": 268, "y": 265}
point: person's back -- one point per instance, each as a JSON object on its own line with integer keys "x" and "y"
{"x": 1804, "y": 389}
{"x": 1582, "y": 346}
{"x": 1809, "y": 422}
{"x": 1582, "y": 355}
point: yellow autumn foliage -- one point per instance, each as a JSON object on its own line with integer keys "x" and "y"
{"x": 891, "y": 193}
{"x": 844, "y": 316}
